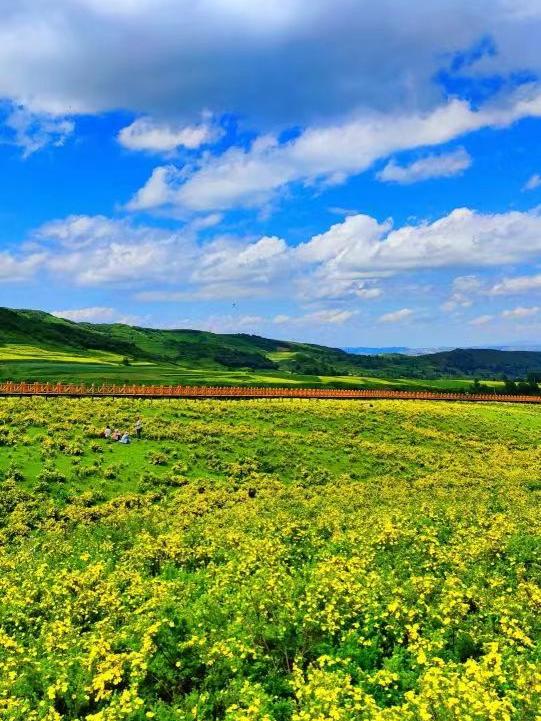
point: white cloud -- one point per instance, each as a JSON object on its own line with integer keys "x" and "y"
{"x": 157, "y": 191}
{"x": 360, "y": 245}
{"x": 467, "y": 284}
{"x": 223, "y": 323}
{"x": 95, "y": 250}
{"x": 234, "y": 55}
{"x": 33, "y": 131}
{"x": 226, "y": 290}
{"x": 396, "y": 316}
{"x": 161, "y": 137}
{"x": 163, "y": 296}
{"x": 206, "y": 221}
{"x": 96, "y": 314}
{"x": 341, "y": 238}
{"x": 517, "y": 285}
{"x": 15, "y": 269}
{"x": 533, "y": 182}
{"x": 250, "y": 177}
{"x": 100, "y": 251}
{"x": 81, "y": 231}
{"x": 442, "y": 165}
{"x": 257, "y": 263}
{"x": 263, "y": 60}
{"x": 350, "y": 262}
{"x": 99, "y": 313}
{"x": 463, "y": 288}
{"x": 481, "y": 320}
{"x": 321, "y": 286}
{"x": 330, "y": 316}
{"x": 518, "y": 313}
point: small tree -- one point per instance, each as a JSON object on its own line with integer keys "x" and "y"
{"x": 510, "y": 386}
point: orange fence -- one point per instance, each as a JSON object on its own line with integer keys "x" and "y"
{"x": 141, "y": 391}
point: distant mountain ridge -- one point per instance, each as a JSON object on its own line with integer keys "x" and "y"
{"x": 385, "y": 350}
{"x": 30, "y": 335}
{"x": 406, "y": 350}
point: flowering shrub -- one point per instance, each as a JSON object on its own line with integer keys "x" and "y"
{"x": 292, "y": 562}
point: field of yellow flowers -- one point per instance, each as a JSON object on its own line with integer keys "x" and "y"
{"x": 270, "y": 561}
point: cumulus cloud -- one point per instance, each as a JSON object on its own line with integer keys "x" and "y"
{"x": 101, "y": 251}
{"x": 95, "y": 314}
{"x": 323, "y": 287}
{"x": 157, "y": 191}
{"x": 161, "y": 137}
{"x": 517, "y": 285}
{"x": 329, "y": 154}
{"x": 95, "y": 250}
{"x": 80, "y": 231}
{"x": 256, "y": 263}
{"x": 349, "y": 263}
{"x": 462, "y": 238}
{"x": 33, "y": 131}
{"x": 86, "y": 314}
{"x": 329, "y": 316}
{"x": 235, "y": 55}
{"x": 442, "y": 165}
{"x": 463, "y": 288}
{"x": 396, "y": 316}
{"x": 520, "y": 312}
{"x": 17, "y": 268}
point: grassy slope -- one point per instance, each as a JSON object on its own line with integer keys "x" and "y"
{"x": 255, "y": 429}
{"x": 287, "y": 557}
{"x": 37, "y": 346}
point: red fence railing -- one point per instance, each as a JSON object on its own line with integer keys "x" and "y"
{"x": 11, "y": 388}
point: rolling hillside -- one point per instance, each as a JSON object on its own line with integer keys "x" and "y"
{"x": 36, "y": 345}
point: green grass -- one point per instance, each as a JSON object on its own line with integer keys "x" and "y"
{"x": 37, "y": 346}
{"x": 276, "y": 434}
{"x": 22, "y": 352}
{"x": 269, "y": 561}
{"x": 151, "y": 373}
{"x": 281, "y": 355}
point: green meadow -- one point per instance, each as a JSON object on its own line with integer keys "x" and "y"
{"x": 68, "y": 368}
{"x": 267, "y": 560}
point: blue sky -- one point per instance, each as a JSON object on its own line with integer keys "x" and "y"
{"x": 308, "y": 170}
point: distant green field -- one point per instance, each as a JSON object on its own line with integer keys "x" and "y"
{"x": 281, "y": 355}
{"x": 450, "y": 384}
{"x": 94, "y": 370}
{"x": 36, "y": 346}
{"x": 22, "y": 352}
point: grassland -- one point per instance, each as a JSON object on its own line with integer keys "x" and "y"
{"x": 62, "y": 367}
{"x": 25, "y": 352}
{"x": 38, "y": 346}
{"x": 270, "y": 561}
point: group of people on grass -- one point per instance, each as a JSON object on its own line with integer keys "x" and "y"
{"x": 124, "y": 437}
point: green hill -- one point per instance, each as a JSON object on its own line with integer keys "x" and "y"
{"x": 487, "y": 363}
{"x": 36, "y": 345}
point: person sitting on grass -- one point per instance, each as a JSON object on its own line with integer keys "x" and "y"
{"x": 116, "y": 435}
{"x": 139, "y": 427}
{"x": 125, "y": 438}
{"x": 107, "y": 432}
